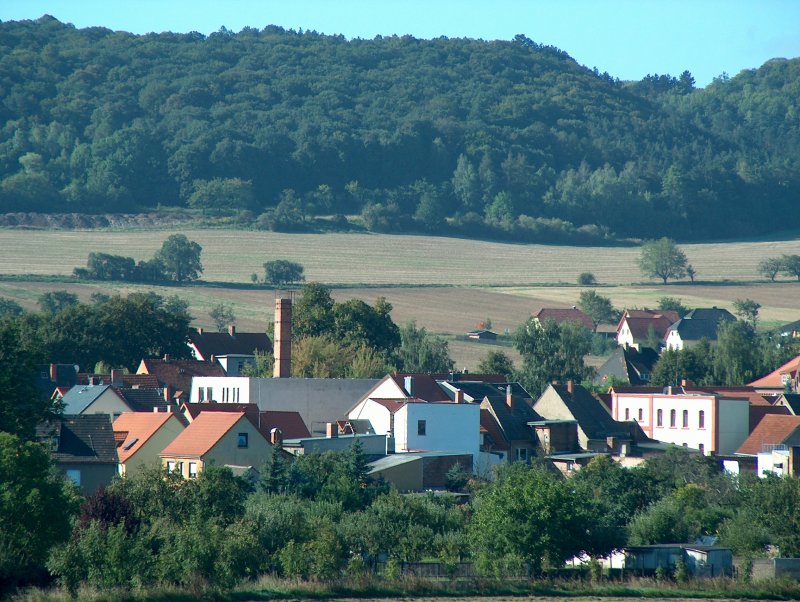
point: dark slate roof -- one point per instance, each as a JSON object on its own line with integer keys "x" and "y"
{"x": 792, "y": 401}
{"x": 478, "y": 390}
{"x": 227, "y": 343}
{"x": 85, "y": 439}
{"x": 701, "y": 323}
{"x": 629, "y": 365}
{"x": 592, "y": 417}
{"x": 514, "y": 422}
{"x": 144, "y": 400}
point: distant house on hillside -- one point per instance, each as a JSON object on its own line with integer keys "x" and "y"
{"x": 628, "y": 365}
{"x": 233, "y": 350}
{"x": 559, "y": 315}
{"x": 698, "y": 324}
{"x": 637, "y": 326}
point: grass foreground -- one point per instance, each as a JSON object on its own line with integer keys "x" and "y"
{"x": 270, "y": 588}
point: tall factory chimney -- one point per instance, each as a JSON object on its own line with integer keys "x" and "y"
{"x": 282, "y": 343}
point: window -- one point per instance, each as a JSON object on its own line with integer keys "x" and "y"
{"x": 686, "y": 419}
{"x": 701, "y": 419}
{"x": 627, "y": 413}
{"x": 201, "y": 394}
{"x": 209, "y": 394}
{"x": 224, "y": 395}
{"x": 236, "y": 395}
{"x": 421, "y": 428}
{"x": 170, "y": 467}
{"x": 672, "y": 418}
{"x": 192, "y": 470}
{"x": 641, "y": 414}
{"x": 242, "y": 440}
{"x": 660, "y": 418}
{"x": 74, "y": 475}
{"x": 522, "y": 454}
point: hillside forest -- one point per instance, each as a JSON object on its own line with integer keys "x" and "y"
{"x": 497, "y": 139}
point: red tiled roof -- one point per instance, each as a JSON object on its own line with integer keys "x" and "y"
{"x": 669, "y": 314}
{"x": 757, "y": 414}
{"x": 290, "y": 423}
{"x": 139, "y": 427}
{"x": 425, "y": 386}
{"x": 143, "y": 381}
{"x": 558, "y": 315}
{"x": 772, "y": 429}
{"x": 177, "y": 374}
{"x": 774, "y": 379}
{"x": 202, "y": 434}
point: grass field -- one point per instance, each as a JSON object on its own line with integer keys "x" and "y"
{"x": 232, "y": 255}
{"x": 463, "y": 282}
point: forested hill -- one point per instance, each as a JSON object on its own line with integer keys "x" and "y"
{"x": 509, "y": 139}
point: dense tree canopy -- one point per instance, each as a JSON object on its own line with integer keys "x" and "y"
{"x": 503, "y": 138}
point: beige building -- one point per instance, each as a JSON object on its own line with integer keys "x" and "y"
{"x": 141, "y": 437}
{"x": 222, "y": 438}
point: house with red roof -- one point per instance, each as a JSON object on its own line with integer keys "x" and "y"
{"x": 176, "y": 375}
{"x": 776, "y": 444}
{"x": 141, "y": 436}
{"x": 637, "y": 326}
{"x": 560, "y": 314}
{"x": 781, "y": 379}
{"x": 223, "y": 438}
{"x": 289, "y": 425}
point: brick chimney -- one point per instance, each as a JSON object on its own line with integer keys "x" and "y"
{"x": 570, "y": 386}
{"x": 276, "y": 436}
{"x": 232, "y": 330}
{"x": 116, "y": 377}
{"x": 166, "y": 358}
{"x": 54, "y": 373}
{"x": 167, "y": 394}
{"x": 282, "y": 344}
{"x": 509, "y": 397}
{"x": 331, "y": 430}
{"x": 199, "y": 331}
{"x": 459, "y": 396}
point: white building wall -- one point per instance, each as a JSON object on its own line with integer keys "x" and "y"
{"x": 224, "y": 389}
{"x": 624, "y": 336}
{"x": 734, "y": 424}
{"x": 388, "y": 389}
{"x": 774, "y": 462}
{"x": 633, "y": 407}
{"x": 379, "y": 416}
{"x": 692, "y": 435}
{"x": 450, "y": 427}
{"x": 674, "y": 340}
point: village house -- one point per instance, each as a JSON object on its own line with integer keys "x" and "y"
{"x": 559, "y": 315}
{"x": 695, "y": 326}
{"x": 782, "y": 379}
{"x": 775, "y": 442}
{"x": 628, "y": 365}
{"x": 83, "y": 448}
{"x": 708, "y": 422}
{"x": 231, "y": 349}
{"x": 141, "y": 436}
{"x": 638, "y": 327}
{"x": 289, "y": 425}
{"x": 176, "y": 375}
{"x": 223, "y": 438}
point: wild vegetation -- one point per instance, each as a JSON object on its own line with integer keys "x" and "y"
{"x": 511, "y": 139}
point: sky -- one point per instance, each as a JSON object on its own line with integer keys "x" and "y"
{"x": 627, "y": 38}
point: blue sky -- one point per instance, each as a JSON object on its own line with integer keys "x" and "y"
{"x": 627, "y": 38}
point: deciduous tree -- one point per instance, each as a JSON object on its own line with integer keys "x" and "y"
{"x": 662, "y": 259}
{"x": 180, "y": 258}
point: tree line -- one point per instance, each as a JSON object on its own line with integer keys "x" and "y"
{"x": 503, "y": 139}
{"x": 320, "y": 516}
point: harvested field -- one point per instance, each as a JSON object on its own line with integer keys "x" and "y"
{"x": 371, "y": 259}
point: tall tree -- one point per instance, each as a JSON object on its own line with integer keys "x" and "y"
{"x": 551, "y": 351}
{"x": 597, "y": 307}
{"x": 662, "y": 259}
{"x": 423, "y": 352}
{"x": 180, "y": 258}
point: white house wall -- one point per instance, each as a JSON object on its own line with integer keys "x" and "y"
{"x": 449, "y": 427}
{"x": 379, "y": 416}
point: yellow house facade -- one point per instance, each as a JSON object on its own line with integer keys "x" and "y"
{"x": 222, "y": 438}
